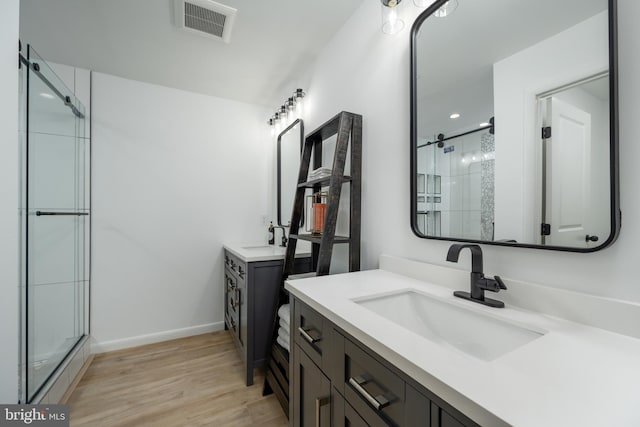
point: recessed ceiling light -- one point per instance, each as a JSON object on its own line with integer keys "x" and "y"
{"x": 446, "y": 9}
{"x": 484, "y": 124}
{"x": 47, "y": 95}
{"x": 454, "y": 116}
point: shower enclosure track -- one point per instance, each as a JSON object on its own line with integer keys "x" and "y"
{"x": 66, "y": 99}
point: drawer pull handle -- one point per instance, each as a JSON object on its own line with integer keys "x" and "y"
{"x": 320, "y": 402}
{"x": 377, "y": 402}
{"x": 307, "y": 337}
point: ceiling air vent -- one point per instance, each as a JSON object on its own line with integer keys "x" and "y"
{"x": 205, "y": 17}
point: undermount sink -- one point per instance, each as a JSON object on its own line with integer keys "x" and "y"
{"x": 260, "y": 248}
{"x": 479, "y": 335}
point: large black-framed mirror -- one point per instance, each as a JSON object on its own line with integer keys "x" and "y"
{"x": 289, "y": 149}
{"x": 514, "y": 123}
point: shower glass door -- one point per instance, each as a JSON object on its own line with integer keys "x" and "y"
{"x": 56, "y": 232}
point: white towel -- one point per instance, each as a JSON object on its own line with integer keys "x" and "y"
{"x": 282, "y": 333}
{"x": 283, "y": 343}
{"x": 319, "y": 172}
{"x": 285, "y": 325}
{"x": 284, "y": 312}
{"x": 283, "y": 337}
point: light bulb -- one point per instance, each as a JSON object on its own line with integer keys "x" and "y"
{"x": 391, "y": 23}
{"x": 393, "y": 17}
{"x": 446, "y": 9}
{"x": 300, "y": 107}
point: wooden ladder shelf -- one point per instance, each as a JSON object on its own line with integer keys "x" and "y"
{"x": 347, "y": 127}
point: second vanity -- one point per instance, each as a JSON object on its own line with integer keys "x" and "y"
{"x": 252, "y": 279}
{"x": 380, "y": 348}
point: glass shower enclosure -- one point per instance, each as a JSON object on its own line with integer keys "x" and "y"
{"x": 55, "y": 212}
{"x": 456, "y": 186}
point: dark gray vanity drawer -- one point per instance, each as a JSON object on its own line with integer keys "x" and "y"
{"x": 373, "y": 390}
{"x": 308, "y": 331}
{"x": 343, "y": 414}
{"x": 231, "y": 291}
{"x": 235, "y": 264}
{"x": 424, "y": 411}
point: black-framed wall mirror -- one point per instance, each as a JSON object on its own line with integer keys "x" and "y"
{"x": 514, "y": 136}
{"x": 289, "y": 150}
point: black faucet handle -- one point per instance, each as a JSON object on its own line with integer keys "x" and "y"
{"x": 493, "y": 285}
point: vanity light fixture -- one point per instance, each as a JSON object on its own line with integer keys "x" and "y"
{"x": 391, "y": 23}
{"x": 283, "y": 114}
{"x": 446, "y": 9}
{"x": 291, "y": 104}
{"x": 271, "y": 123}
{"x": 285, "y": 111}
{"x": 298, "y": 96}
{"x": 454, "y": 116}
{"x": 484, "y": 124}
{"x": 277, "y": 122}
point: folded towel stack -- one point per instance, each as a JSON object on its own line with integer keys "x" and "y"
{"x": 319, "y": 173}
{"x": 283, "y": 326}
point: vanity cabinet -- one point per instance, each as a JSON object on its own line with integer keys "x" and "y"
{"x": 313, "y": 392}
{"x": 251, "y": 289}
{"x": 340, "y": 382}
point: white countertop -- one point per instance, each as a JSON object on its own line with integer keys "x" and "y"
{"x": 574, "y": 375}
{"x": 252, "y": 252}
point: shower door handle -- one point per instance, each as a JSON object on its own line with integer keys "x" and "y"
{"x": 42, "y": 213}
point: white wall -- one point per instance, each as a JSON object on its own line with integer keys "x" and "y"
{"x": 175, "y": 174}
{"x": 9, "y": 197}
{"x": 579, "y": 52}
{"x": 364, "y": 71}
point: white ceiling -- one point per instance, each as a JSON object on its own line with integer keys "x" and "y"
{"x": 455, "y": 55}
{"x": 272, "y": 45}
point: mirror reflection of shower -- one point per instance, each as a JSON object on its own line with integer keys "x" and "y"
{"x": 456, "y": 183}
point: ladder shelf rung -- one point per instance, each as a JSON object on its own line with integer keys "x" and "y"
{"x": 318, "y": 239}
{"x": 324, "y": 180}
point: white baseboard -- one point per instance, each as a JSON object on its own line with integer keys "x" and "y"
{"x": 120, "y": 344}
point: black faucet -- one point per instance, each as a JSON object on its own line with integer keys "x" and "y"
{"x": 479, "y": 283}
{"x": 272, "y": 230}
